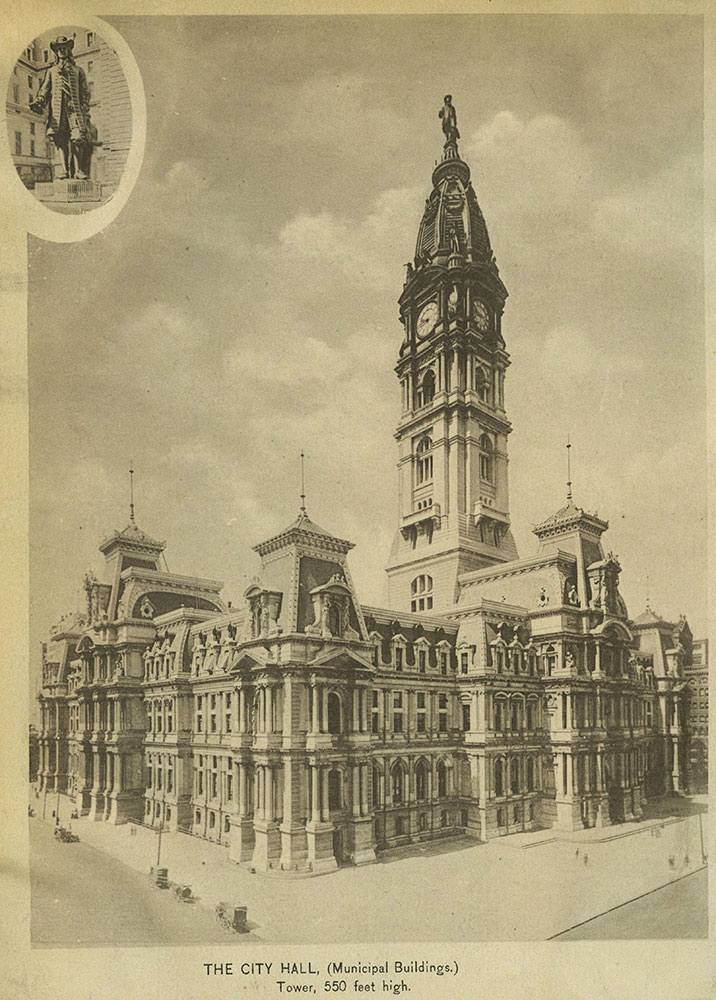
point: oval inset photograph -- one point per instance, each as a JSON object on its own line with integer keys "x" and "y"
{"x": 69, "y": 119}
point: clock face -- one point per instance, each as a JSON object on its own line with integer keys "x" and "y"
{"x": 480, "y": 315}
{"x": 427, "y": 319}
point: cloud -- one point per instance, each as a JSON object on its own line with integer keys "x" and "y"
{"x": 365, "y": 251}
{"x": 540, "y": 168}
{"x": 662, "y": 216}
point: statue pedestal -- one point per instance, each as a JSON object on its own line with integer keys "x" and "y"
{"x": 69, "y": 191}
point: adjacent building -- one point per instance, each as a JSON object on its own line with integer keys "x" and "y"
{"x": 304, "y": 729}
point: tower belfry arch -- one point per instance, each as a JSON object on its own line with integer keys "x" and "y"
{"x": 453, "y": 429}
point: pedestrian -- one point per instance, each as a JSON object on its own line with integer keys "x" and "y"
{"x": 576, "y": 853}
{"x": 586, "y": 859}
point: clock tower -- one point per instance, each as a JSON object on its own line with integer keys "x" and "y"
{"x": 452, "y": 432}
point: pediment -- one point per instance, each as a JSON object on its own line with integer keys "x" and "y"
{"x": 341, "y": 658}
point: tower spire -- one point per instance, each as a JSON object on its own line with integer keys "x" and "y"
{"x": 569, "y": 470}
{"x": 131, "y": 493}
{"x": 303, "y": 486}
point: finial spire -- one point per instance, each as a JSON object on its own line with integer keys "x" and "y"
{"x": 303, "y": 486}
{"x": 648, "y": 605}
{"x": 131, "y": 493}
{"x": 569, "y": 470}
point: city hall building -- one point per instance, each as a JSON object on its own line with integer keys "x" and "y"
{"x": 303, "y": 730}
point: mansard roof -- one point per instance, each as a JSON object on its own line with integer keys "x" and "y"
{"x": 648, "y": 617}
{"x": 303, "y": 530}
{"x": 571, "y": 516}
{"x": 132, "y": 537}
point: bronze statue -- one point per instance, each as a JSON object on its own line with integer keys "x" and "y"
{"x": 66, "y": 93}
{"x": 449, "y": 116}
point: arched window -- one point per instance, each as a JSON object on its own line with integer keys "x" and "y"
{"x": 426, "y": 389}
{"x": 486, "y": 459}
{"x": 421, "y": 781}
{"x": 499, "y": 777}
{"x": 499, "y": 714}
{"x": 334, "y": 713}
{"x": 482, "y": 384}
{"x": 442, "y": 780}
{"x": 516, "y": 715}
{"x": 398, "y": 780}
{"x": 334, "y": 789}
{"x": 421, "y": 590}
{"x": 423, "y": 453}
{"x": 515, "y": 775}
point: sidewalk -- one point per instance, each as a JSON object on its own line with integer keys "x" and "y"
{"x": 475, "y": 892}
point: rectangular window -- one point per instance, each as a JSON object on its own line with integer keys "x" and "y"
{"x": 32, "y": 128}
{"x": 90, "y": 38}
{"x": 200, "y": 776}
{"x": 29, "y": 82}
{"x": 170, "y": 774}
{"x": 227, "y": 712}
{"x": 398, "y": 657}
{"x": 214, "y": 778}
{"x": 421, "y": 717}
{"x": 422, "y": 660}
{"x": 465, "y": 717}
{"x": 374, "y": 712}
{"x": 212, "y": 714}
{"x": 90, "y": 65}
{"x": 200, "y": 713}
{"x": 397, "y": 711}
{"x": 463, "y": 662}
{"x": 442, "y": 713}
{"x": 229, "y": 784}
{"x": 443, "y": 661}
{"x": 18, "y": 143}
{"x": 170, "y": 715}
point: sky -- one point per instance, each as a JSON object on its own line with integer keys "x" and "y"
{"x": 243, "y": 305}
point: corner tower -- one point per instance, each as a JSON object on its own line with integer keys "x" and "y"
{"x": 452, "y": 432}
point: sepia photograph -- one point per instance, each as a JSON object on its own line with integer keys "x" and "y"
{"x": 69, "y": 119}
{"x": 368, "y": 500}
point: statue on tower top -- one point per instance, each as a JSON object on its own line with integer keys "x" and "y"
{"x": 449, "y": 116}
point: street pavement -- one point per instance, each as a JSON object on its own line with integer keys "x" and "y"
{"x": 678, "y": 910}
{"x": 83, "y": 898}
{"x": 509, "y": 889}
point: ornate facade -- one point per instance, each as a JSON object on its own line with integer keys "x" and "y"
{"x": 303, "y": 729}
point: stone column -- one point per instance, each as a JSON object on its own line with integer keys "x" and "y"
{"x": 269, "y": 810}
{"x": 324, "y": 708}
{"x": 269, "y": 708}
{"x": 315, "y": 720}
{"x": 242, "y": 710}
{"x": 364, "y": 790}
{"x": 325, "y": 813}
{"x": 356, "y": 790}
{"x": 356, "y": 710}
{"x": 315, "y": 794}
